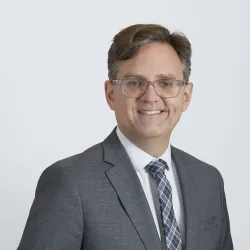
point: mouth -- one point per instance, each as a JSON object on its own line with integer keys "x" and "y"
{"x": 150, "y": 112}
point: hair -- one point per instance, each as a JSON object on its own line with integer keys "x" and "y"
{"x": 128, "y": 41}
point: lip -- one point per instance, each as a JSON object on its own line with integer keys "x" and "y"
{"x": 151, "y": 116}
{"x": 143, "y": 110}
{"x": 150, "y": 109}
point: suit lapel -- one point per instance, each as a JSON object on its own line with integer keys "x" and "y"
{"x": 128, "y": 187}
{"x": 191, "y": 196}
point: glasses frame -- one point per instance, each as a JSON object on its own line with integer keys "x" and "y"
{"x": 120, "y": 81}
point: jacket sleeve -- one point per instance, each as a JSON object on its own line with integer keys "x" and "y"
{"x": 55, "y": 220}
{"x": 225, "y": 242}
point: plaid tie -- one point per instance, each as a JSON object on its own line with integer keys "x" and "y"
{"x": 171, "y": 229}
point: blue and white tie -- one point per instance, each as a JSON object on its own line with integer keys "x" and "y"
{"x": 171, "y": 229}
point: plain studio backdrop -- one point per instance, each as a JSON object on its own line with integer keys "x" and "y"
{"x": 53, "y": 66}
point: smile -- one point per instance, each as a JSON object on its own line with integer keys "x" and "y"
{"x": 150, "y": 112}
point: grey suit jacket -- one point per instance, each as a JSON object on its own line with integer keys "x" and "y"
{"x": 94, "y": 200}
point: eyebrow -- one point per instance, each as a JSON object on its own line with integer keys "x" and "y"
{"x": 158, "y": 76}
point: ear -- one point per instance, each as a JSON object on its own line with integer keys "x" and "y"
{"x": 109, "y": 93}
{"x": 188, "y": 90}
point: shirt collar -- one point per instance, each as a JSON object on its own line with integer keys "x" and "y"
{"x": 138, "y": 157}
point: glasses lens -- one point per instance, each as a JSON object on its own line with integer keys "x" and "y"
{"x": 167, "y": 88}
{"x": 133, "y": 87}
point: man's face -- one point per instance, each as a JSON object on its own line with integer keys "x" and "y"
{"x": 150, "y": 63}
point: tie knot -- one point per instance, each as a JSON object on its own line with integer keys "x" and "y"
{"x": 157, "y": 167}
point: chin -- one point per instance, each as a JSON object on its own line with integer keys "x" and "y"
{"x": 151, "y": 132}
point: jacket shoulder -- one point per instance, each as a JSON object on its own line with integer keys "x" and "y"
{"x": 196, "y": 163}
{"x": 73, "y": 165}
{"x": 92, "y": 155}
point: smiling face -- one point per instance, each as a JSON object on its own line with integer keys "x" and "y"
{"x": 149, "y": 116}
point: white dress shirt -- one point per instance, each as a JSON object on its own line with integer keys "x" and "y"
{"x": 140, "y": 159}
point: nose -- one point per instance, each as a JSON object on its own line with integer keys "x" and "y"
{"x": 150, "y": 95}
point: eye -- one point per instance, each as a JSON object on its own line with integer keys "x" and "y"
{"x": 166, "y": 83}
{"x": 133, "y": 83}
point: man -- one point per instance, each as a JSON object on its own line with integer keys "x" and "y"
{"x": 134, "y": 190}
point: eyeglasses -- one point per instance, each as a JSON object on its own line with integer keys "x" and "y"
{"x": 133, "y": 87}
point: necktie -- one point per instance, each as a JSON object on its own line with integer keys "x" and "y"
{"x": 170, "y": 226}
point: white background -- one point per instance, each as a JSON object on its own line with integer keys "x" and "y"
{"x": 52, "y": 70}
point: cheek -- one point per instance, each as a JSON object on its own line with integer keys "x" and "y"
{"x": 174, "y": 108}
{"x": 124, "y": 107}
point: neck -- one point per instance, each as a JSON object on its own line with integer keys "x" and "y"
{"x": 148, "y": 145}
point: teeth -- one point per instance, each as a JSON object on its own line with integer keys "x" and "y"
{"x": 150, "y": 112}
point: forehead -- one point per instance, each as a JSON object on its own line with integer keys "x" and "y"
{"x": 152, "y": 60}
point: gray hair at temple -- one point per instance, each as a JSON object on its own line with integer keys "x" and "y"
{"x": 129, "y": 40}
